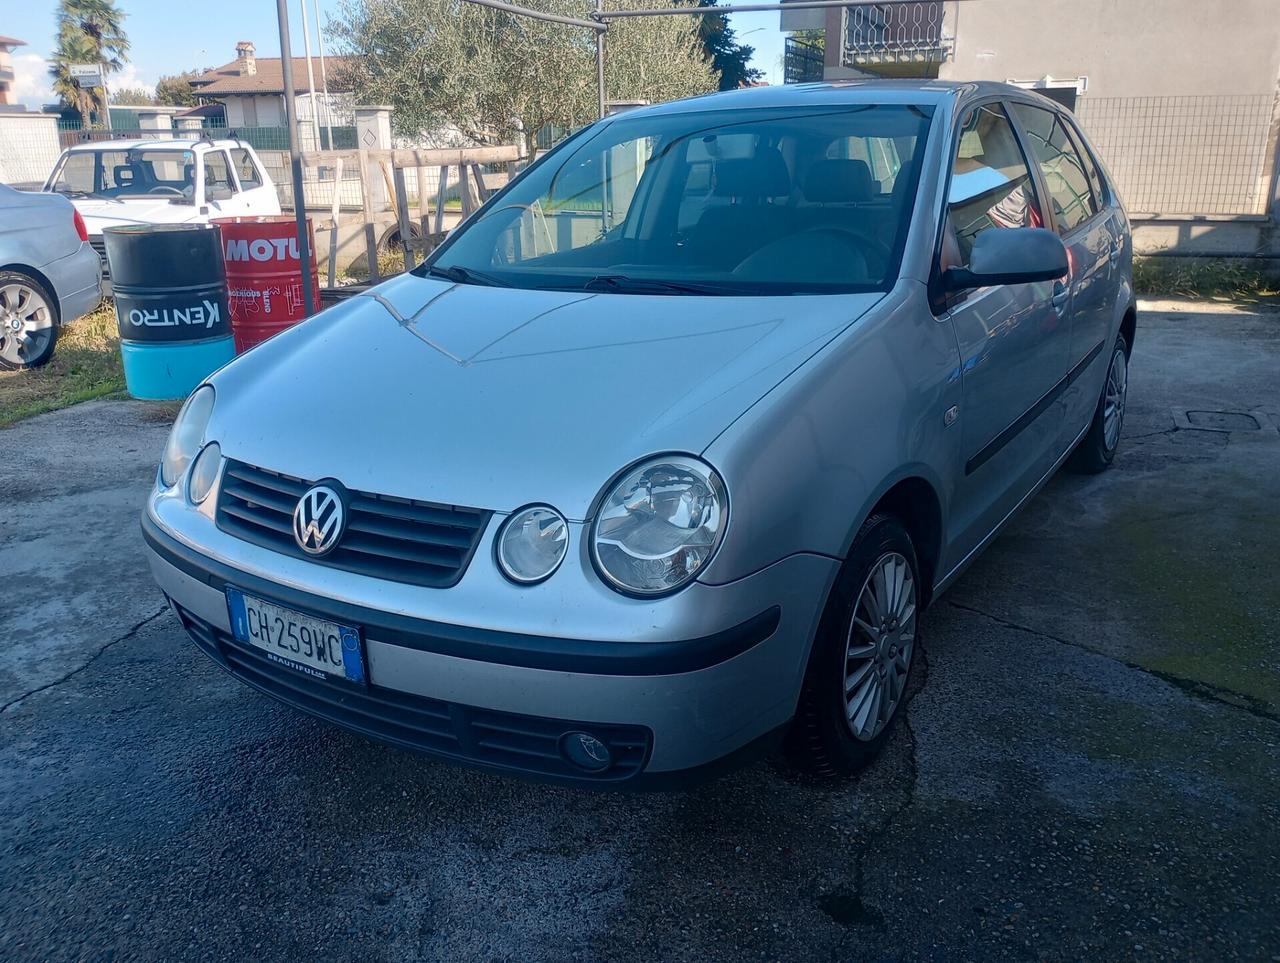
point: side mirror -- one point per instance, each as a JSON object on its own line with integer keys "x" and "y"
{"x": 1016, "y": 255}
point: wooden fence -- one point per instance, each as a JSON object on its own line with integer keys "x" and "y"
{"x": 383, "y": 189}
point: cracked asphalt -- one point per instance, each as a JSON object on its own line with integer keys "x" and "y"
{"x": 1088, "y": 767}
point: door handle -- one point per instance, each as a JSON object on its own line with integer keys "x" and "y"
{"x": 1114, "y": 253}
{"x": 1061, "y": 294}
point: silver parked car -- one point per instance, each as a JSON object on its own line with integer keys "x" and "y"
{"x": 49, "y": 274}
{"x": 660, "y": 456}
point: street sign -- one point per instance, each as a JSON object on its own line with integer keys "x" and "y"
{"x": 86, "y": 75}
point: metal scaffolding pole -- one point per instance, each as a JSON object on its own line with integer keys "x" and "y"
{"x": 324, "y": 77}
{"x": 600, "y": 92}
{"x": 738, "y": 8}
{"x": 295, "y": 155}
{"x": 311, "y": 76}
{"x": 538, "y": 14}
{"x": 600, "y": 17}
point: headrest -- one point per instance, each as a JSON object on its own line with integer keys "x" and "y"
{"x": 121, "y": 173}
{"x": 840, "y": 182}
{"x": 762, "y": 176}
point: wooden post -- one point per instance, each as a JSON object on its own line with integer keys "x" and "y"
{"x": 333, "y": 224}
{"x": 477, "y": 178}
{"x": 402, "y": 214}
{"x": 366, "y": 204}
{"x": 441, "y": 189}
{"x": 371, "y": 252}
{"x": 464, "y": 189}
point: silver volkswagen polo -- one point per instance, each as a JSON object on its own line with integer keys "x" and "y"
{"x": 657, "y": 460}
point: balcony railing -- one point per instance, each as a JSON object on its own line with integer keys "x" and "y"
{"x": 878, "y": 34}
{"x": 802, "y": 62}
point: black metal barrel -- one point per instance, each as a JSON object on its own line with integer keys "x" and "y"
{"x": 170, "y": 287}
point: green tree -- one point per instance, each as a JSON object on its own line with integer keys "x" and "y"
{"x": 89, "y": 32}
{"x": 175, "y": 90}
{"x": 490, "y": 76}
{"x": 132, "y": 97}
{"x": 730, "y": 58}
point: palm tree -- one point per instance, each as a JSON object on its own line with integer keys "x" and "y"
{"x": 89, "y": 32}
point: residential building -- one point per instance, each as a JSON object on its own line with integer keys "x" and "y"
{"x": 7, "y": 46}
{"x": 1182, "y": 97}
{"x": 252, "y": 89}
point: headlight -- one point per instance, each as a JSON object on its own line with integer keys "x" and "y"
{"x": 204, "y": 473}
{"x": 532, "y": 544}
{"x": 659, "y": 525}
{"x": 186, "y": 436}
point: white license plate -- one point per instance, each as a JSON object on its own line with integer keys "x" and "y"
{"x": 305, "y": 643}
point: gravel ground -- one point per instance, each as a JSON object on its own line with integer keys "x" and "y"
{"x": 1088, "y": 768}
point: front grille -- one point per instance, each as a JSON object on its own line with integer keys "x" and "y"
{"x": 99, "y": 245}
{"x": 397, "y": 539}
{"x": 523, "y": 744}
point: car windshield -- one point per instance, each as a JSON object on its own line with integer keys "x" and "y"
{"x": 758, "y": 201}
{"x": 127, "y": 173}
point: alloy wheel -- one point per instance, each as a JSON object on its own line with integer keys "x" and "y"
{"x": 878, "y": 647}
{"x": 26, "y": 324}
{"x": 1114, "y": 399}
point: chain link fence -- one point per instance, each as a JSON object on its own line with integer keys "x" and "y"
{"x": 1185, "y": 155}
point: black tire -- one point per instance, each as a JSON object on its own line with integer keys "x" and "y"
{"x": 9, "y": 361}
{"x": 1095, "y": 453}
{"x": 821, "y": 739}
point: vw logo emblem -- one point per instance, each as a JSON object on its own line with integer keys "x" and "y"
{"x": 318, "y": 520}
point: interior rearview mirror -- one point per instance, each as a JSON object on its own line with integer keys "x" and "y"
{"x": 1016, "y": 255}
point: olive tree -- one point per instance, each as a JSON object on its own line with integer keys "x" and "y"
{"x": 488, "y": 76}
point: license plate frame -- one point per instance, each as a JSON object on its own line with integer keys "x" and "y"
{"x": 354, "y": 663}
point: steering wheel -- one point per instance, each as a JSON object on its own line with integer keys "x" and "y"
{"x": 874, "y": 251}
{"x": 165, "y": 188}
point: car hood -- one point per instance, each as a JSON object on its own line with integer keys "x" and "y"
{"x": 99, "y": 213}
{"x": 494, "y": 398}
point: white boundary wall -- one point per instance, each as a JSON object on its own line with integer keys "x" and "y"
{"x": 28, "y": 147}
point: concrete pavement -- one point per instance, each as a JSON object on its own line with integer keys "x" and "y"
{"x": 1089, "y": 765}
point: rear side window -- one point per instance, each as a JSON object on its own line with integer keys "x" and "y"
{"x": 246, "y": 170}
{"x": 1090, "y": 168}
{"x": 991, "y": 186}
{"x": 1065, "y": 176}
{"x": 217, "y": 176}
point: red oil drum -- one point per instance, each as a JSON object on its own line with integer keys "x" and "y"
{"x": 264, "y": 276}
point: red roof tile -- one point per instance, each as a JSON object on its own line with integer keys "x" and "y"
{"x": 269, "y": 79}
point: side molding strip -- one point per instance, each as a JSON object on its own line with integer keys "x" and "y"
{"x": 1031, "y": 414}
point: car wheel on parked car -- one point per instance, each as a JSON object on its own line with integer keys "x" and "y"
{"x": 1098, "y": 448}
{"x": 28, "y": 321}
{"x": 856, "y": 680}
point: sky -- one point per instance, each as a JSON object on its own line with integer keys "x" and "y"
{"x": 168, "y": 37}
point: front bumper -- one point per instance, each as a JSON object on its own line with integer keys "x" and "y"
{"x": 499, "y": 699}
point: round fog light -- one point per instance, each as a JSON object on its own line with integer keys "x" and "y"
{"x": 204, "y": 472}
{"x": 585, "y": 751}
{"x": 532, "y": 544}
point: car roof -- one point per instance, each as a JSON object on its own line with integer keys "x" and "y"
{"x": 165, "y": 143}
{"x": 832, "y": 93}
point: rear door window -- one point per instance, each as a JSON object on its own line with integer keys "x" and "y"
{"x": 1090, "y": 167}
{"x": 246, "y": 169}
{"x": 1065, "y": 176}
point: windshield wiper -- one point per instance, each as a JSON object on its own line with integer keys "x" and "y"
{"x": 623, "y": 283}
{"x": 463, "y": 275}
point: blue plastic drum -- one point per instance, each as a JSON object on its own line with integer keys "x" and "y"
{"x": 170, "y": 287}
